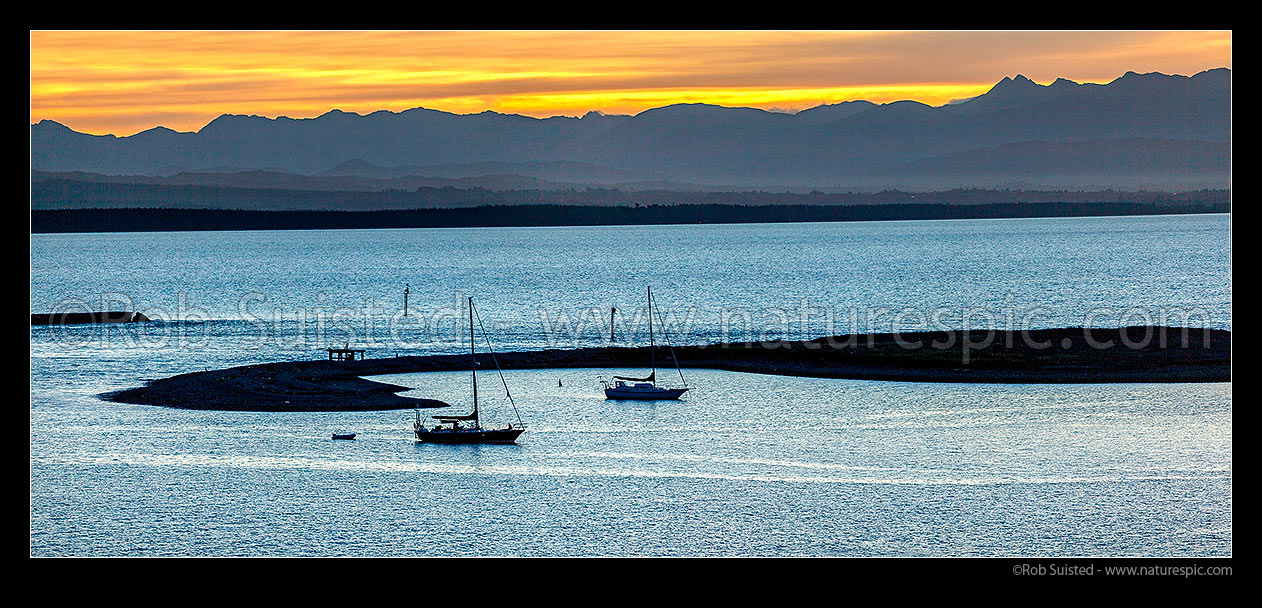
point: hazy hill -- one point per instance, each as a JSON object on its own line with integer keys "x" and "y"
{"x": 1115, "y": 163}
{"x": 572, "y": 172}
{"x": 350, "y": 183}
{"x": 1141, "y": 129}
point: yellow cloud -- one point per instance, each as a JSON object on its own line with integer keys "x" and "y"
{"x": 125, "y": 81}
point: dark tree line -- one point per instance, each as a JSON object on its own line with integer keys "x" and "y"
{"x": 166, "y": 219}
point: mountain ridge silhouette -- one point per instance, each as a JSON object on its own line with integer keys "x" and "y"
{"x": 1168, "y": 116}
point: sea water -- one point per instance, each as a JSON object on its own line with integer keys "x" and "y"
{"x": 746, "y": 464}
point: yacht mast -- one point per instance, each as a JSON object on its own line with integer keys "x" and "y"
{"x": 652, "y": 353}
{"x": 473, "y": 355}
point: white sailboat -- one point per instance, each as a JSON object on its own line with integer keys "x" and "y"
{"x": 646, "y": 389}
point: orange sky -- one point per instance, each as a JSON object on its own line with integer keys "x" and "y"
{"x": 122, "y": 82}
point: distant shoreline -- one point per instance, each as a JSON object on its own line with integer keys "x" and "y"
{"x": 77, "y": 318}
{"x": 1051, "y": 356}
{"x": 489, "y": 216}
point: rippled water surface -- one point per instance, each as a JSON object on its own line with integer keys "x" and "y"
{"x": 747, "y": 464}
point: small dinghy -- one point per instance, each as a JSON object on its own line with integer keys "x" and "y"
{"x": 343, "y": 435}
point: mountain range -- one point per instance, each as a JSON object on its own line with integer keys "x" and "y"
{"x": 1140, "y": 131}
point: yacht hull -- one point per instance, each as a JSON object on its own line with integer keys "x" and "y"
{"x": 645, "y": 394}
{"x": 469, "y": 436}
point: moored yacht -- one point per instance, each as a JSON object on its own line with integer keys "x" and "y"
{"x": 468, "y": 428}
{"x": 646, "y": 388}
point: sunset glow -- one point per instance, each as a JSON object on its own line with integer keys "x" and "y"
{"x": 123, "y": 82}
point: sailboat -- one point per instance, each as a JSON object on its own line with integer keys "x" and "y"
{"x": 468, "y": 428}
{"x": 646, "y": 389}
